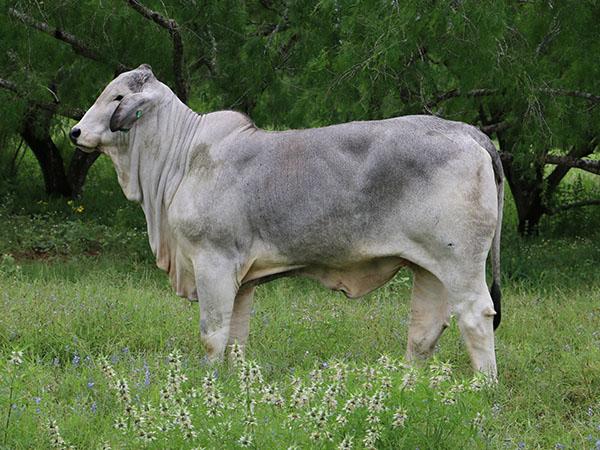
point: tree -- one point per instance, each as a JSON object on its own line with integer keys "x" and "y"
{"x": 54, "y": 73}
{"x": 520, "y": 70}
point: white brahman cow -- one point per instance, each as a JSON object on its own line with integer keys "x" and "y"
{"x": 230, "y": 206}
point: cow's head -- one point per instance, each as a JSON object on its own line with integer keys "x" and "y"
{"x": 129, "y": 97}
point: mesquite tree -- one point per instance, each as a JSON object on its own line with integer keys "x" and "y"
{"x": 524, "y": 72}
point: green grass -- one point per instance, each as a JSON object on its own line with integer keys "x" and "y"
{"x": 82, "y": 285}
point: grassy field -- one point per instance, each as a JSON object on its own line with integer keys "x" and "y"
{"x": 81, "y": 298}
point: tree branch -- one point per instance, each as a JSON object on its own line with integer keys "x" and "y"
{"x": 494, "y": 127}
{"x": 588, "y": 165}
{"x": 181, "y": 87}
{"x": 559, "y": 172}
{"x": 571, "y": 93}
{"x": 71, "y": 113}
{"x": 552, "y": 211}
{"x": 78, "y": 46}
{"x": 453, "y": 93}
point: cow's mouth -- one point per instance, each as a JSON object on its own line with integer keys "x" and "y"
{"x": 85, "y": 149}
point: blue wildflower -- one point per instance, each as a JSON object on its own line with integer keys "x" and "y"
{"x": 146, "y": 374}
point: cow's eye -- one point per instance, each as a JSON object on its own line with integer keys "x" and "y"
{"x": 118, "y": 98}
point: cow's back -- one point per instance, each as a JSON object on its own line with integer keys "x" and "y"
{"x": 324, "y": 194}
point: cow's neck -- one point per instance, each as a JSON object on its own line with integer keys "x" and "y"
{"x": 158, "y": 153}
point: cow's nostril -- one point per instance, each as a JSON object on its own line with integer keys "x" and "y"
{"x": 75, "y": 133}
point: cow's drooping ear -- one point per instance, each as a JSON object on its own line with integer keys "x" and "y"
{"x": 131, "y": 108}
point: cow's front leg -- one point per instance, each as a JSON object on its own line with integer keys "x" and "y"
{"x": 217, "y": 288}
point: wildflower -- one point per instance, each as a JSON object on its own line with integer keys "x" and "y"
{"x": 16, "y": 358}
{"x": 373, "y": 419}
{"x": 250, "y": 421}
{"x": 271, "y": 396}
{"x": 245, "y": 440}
{"x": 457, "y": 388}
{"x": 56, "y": 440}
{"x": 237, "y": 354}
{"x": 352, "y": 403}
{"x": 347, "y": 443}
{"x": 123, "y": 390}
{"x": 120, "y": 424}
{"x": 146, "y": 436}
{"x": 370, "y": 374}
{"x": 371, "y": 438}
{"x": 409, "y": 380}
{"x": 386, "y": 383}
{"x": 146, "y": 374}
{"x": 316, "y": 376}
{"x": 318, "y": 416}
{"x": 340, "y": 374}
{"x": 448, "y": 398}
{"x": 386, "y": 363}
{"x": 399, "y": 418}
{"x": 107, "y": 369}
{"x": 315, "y": 436}
{"x": 440, "y": 374}
{"x": 478, "y": 420}
{"x": 478, "y": 382}
{"x": 255, "y": 374}
{"x": 300, "y": 396}
{"x": 376, "y": 403}
{"x": 76, "y": 360}
{"x": 341, "y": 420}
{"x": 329, "y": 398}
{"x": 183, "y": 419}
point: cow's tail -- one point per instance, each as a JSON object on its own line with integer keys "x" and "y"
{"x": 495, "y": 289}
{"x": 495, "y": 292}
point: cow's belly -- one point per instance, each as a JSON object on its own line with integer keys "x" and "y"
{"x": 353, "y": 279}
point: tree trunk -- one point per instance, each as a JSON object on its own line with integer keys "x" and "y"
{"x": 78, "y": 170}
{"x": 529, "y": 203}
{"x": 527, "y": 189}
{"x": 36, "y": 134}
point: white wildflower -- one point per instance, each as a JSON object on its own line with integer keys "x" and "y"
{"x": 56, "y": 440}
{"x": 448, "y": 398}
{"x": 16, "y": 358}
{"x": 347, "y": 443}
{"x": 478, "y": 420}
{"x": 409, "y": 380}
{"x": 107, "y": 369}
{"x": 237, "y": 354}
{"x": 371, "y": 438}
{"x": 399, "y": 418}
{"x": 120, "y": 424}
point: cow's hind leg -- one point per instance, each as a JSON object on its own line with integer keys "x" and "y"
{"x": 240, "y": 319}
{"x": 429, "y": 314}
{"x": 472, "y": 304}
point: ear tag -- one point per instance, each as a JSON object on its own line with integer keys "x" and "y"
{"x": 138, "y": 114}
